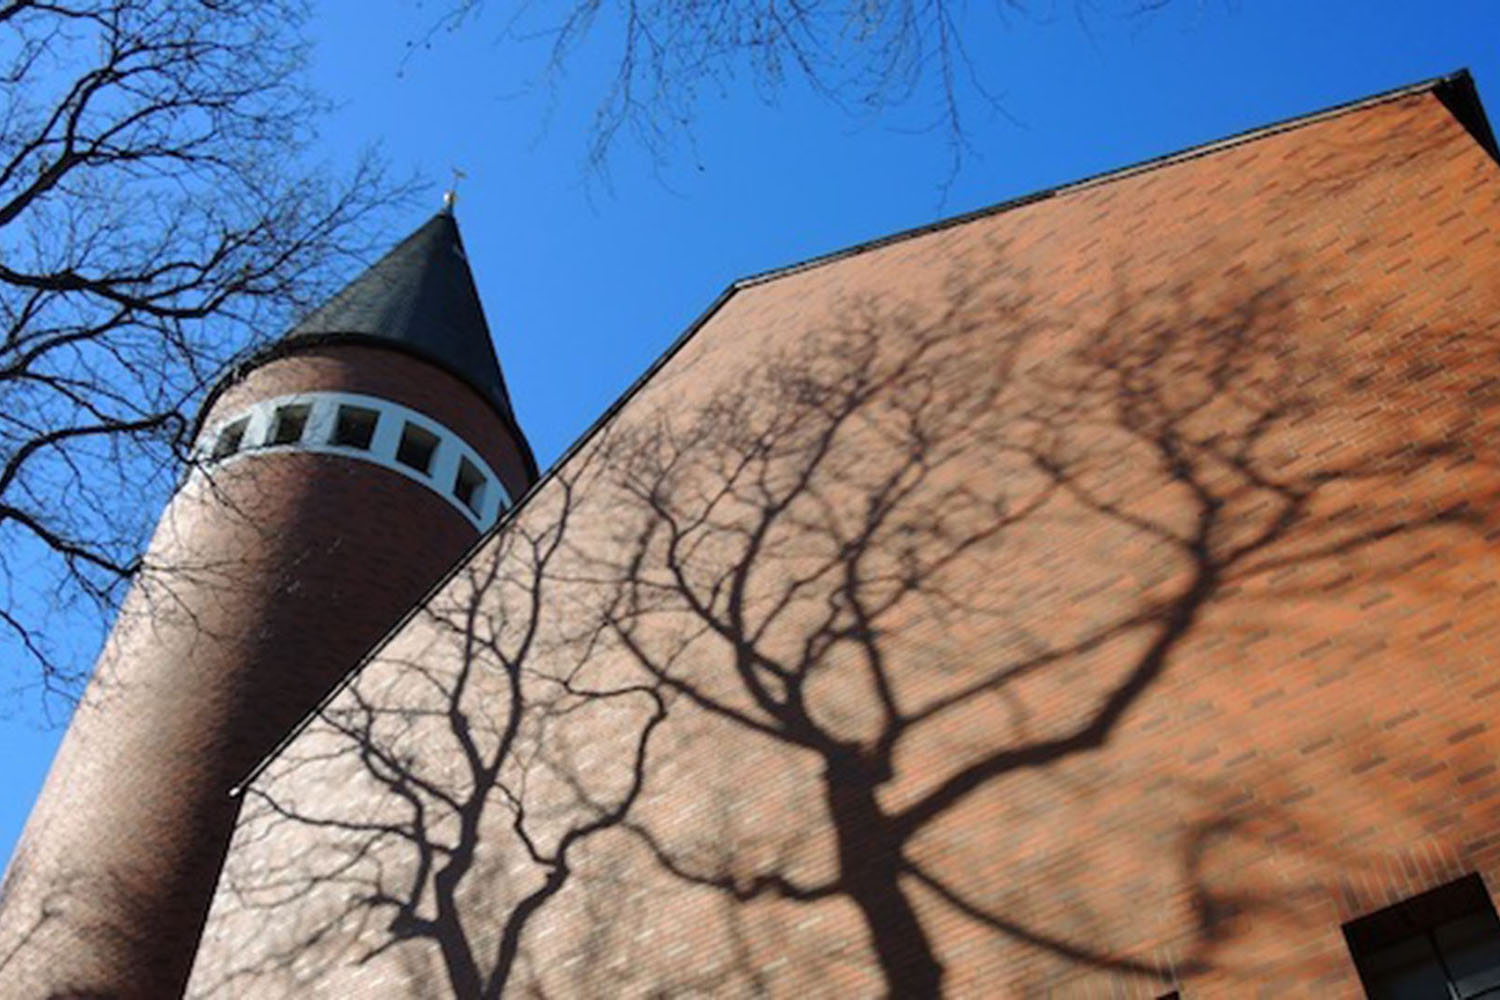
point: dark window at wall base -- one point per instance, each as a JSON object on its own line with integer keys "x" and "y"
{"x": 354, "y": 427}
{"x": 1442, "y": 944}
{"x": 289, "y": 423}
{"x": 416, "y": 448}
{"x": 230, "y": 438}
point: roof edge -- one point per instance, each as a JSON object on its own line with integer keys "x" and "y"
{"x": 1456, "y": 90}
{"x": 1460, "y": 96}
{"x": 1464, "y": 93}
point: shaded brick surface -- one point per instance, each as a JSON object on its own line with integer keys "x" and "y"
{"x": 266, "y": 581}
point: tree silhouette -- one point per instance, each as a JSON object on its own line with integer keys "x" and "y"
{"x": 153, "y": 222}
{"x": 503, "y": 731}
{"x": 788, "y": 638}
{"x": 873, "y": 487}
{"x": 871, "y": 59}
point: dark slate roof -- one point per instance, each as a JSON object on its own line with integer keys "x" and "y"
{"x": 419, "y": 298}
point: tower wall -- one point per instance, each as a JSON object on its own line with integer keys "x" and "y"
{"x": 267, "y": 579}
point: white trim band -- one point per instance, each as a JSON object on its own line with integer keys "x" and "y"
{"x": 451, "y": 465}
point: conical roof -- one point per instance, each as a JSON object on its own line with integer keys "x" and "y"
{"x": 420, "y": 298}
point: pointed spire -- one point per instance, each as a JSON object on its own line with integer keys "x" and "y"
{"x": 420, "y": 298}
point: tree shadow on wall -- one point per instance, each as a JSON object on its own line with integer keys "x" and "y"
{"x": 445, "y": 838}
{"x": 998, "y": 525}
{"x": 930, "y": 554}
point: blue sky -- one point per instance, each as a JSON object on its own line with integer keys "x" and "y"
{"x": 585, "y": 286}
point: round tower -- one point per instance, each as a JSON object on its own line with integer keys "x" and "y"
{"x": 341, "y": 472}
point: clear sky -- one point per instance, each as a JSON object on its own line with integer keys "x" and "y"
{"x": 584, "y": 287}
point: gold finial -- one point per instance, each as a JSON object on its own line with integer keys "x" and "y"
{"x": 451, "y": 195}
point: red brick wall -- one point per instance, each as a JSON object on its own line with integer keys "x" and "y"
{"x": 1093, "y": 599}
{"x": 267, "y": 580}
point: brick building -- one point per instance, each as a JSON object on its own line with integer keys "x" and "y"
{"x": 1093, "y": 596}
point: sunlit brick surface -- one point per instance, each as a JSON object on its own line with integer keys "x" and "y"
{"x": 1092, "y": 599}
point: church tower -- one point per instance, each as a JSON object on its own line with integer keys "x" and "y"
{"x": 340, "y": 472}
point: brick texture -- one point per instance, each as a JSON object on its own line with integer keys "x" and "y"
{"x": 1093, "y": 599}
{"x": 266, "y": 581}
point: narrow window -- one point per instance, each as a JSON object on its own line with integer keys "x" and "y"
{"x": 416, "y": 448}
{"x": 354, "y": 426}
{"x": 289, "y": 423}
{"x": 230, "y": 438}
{"x": 1443, "y": 943}
{"x": 468, "y": 485}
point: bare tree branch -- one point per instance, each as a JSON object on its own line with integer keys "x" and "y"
{"x": 153, "y": 222}
{"x": 871, "y": 58}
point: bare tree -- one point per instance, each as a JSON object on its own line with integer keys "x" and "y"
{"x": 871, "y": 58}
{"x": 153, "y": 221}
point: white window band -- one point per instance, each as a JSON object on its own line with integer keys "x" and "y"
{"x": 490, "y": 500}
